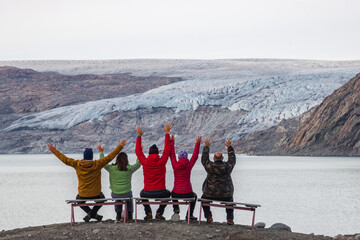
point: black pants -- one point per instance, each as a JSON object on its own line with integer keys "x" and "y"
{"x": 155, "y": 194}
{"x": 229, "y": 212}
{"x": 91, "y": 212}
{"x": 185, "y": 195}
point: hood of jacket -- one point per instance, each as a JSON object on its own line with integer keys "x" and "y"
{"x": 183, "y": 162}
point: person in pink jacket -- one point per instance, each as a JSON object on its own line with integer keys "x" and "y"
{"x": 182, "y": 173}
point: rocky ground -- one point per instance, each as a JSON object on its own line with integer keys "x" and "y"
{"x": 155, "y": 230}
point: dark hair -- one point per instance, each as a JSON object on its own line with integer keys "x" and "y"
{"x": 122, "y": 161}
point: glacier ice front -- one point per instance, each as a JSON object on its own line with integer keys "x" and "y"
{"x": 266, "y": 100}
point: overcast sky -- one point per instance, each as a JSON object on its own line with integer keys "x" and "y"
{"x": 191, "y": 29}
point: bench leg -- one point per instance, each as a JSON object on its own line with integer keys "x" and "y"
{"x": 72, "y": 220}
{"x": 189, "y": 213}
{"x": 200, "y": 213}
{"x": 125, "y": 212}
{"x": 253, "y": 220}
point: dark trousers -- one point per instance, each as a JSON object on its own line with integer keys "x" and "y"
{"x": 129, "y": 204}
{"x": 229, "y": 212}
{"x": 185, "y": 195}
{"x": 154, "y": 194}
{"x": 91, "y": 212}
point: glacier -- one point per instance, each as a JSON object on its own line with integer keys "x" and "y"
{"x": 267, "y": 91}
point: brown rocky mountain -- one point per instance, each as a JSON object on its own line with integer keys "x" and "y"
{"x": 329, "y": 129}
{"x": 28, "y": 91}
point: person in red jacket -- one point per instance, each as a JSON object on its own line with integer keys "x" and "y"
{"x": 182, "y": 173}
{"x": 154, "y": 170}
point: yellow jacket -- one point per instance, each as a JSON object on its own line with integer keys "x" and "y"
{"x": 88, "y": 172}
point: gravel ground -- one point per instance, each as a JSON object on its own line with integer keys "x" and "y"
{"x": 153, "y": 230}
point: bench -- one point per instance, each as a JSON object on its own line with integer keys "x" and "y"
{"x": 163, "y": 201}
{"x": 231, "y": 205}
{"x": 97, "y": 202}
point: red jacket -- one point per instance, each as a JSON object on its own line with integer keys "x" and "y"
{"x": 154, "y": 166}
{"x": 182, "y": 169}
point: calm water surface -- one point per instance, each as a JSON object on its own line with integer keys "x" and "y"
{"x": 309, "y": 194}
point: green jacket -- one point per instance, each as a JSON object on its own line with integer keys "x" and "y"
{"x": 120, "y": 181}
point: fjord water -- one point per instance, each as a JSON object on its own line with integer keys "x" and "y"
{"x": 310, "y": 194}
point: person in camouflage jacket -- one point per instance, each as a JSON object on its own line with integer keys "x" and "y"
{"x": 218, "y": 184}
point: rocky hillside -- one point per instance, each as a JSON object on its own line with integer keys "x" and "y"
{"x": 334, "y": 125}
{"x": 329, "y": 129}
{"x": 28, "y": 91}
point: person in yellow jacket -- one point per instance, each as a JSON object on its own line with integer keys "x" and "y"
{"x": 89, "y": 175}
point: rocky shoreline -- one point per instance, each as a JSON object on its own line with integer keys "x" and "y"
{"x": 110, "y": 229}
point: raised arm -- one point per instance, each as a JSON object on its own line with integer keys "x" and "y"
{"x": 173, "y": 154}
{"x": 68, "y": 161}
{"x": 134, "y": 167}
{"x": 205, "y": 160}
{"x": 102, "y": 155}
{"x": 112, "y": 155}
{"x": 138, "y": 147}
{"x": 231, "y": 155}
{"x": 195, "y": 154}
{"x": 167, "y": 147}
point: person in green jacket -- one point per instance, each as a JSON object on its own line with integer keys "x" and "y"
{"x": 120, "y": 180}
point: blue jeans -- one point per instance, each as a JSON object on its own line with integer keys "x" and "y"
{"x": 129, "y": 204}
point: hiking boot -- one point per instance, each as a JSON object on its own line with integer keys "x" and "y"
{"x": 209, "y": 220}
{"x": 98, "y": 217}
{"x": 230, "y": 222}
{"x": 159, "y": 216}
{"x": 192, "y": 218}
{"x": 148, "y": 216}
{"x": 175, "y": 217}
{"x": 118, "y": 217}
{"x": 87, "y": 218}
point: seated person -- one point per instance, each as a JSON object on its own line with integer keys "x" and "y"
{"x": 218, "y": 184}
{"x": 89, "y": 176}
{"x": 154, "y": 169}
{"x": 182, "y": 173}
{"x": 120, "y": 180}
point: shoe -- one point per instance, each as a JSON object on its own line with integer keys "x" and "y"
{"x": 118, "y": 217}
{"x": 175, "y": 217}
{"x": 192, "y": 218}
{"x": 230, "y": 222}
{"x": 129, "y": 216}
{"x": 209, "y": 220}
{"x": 159, "y": 217}
{"x": 98, "y": 217}
{"x": 87, "y": 218}
{"x": 148, "y": 216}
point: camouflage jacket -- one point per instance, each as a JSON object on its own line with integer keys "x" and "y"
{"x": 218, "y": 182}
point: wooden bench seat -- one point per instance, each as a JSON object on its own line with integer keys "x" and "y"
{"x": 232, "y": 205}
{"x": 163, "y": 201}
{"x": 97, "y": 202}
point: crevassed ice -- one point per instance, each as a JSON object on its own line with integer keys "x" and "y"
{"x": 266, "y": 100}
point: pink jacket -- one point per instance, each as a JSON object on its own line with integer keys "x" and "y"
{"x": 182, "y": 169}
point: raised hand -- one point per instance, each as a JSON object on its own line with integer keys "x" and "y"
{"x": 100, "y": 148}
{"x": 139, "y": 130}
{"x": 172, "y": 137}
{"x": 227, "y": 143}
{"x": 199, "y": 139}
{"x": 51, "y": 147}
{"x": 167, "y": 127}
{"x": 122, "y": 142}
{"x": 207, "y": 142}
